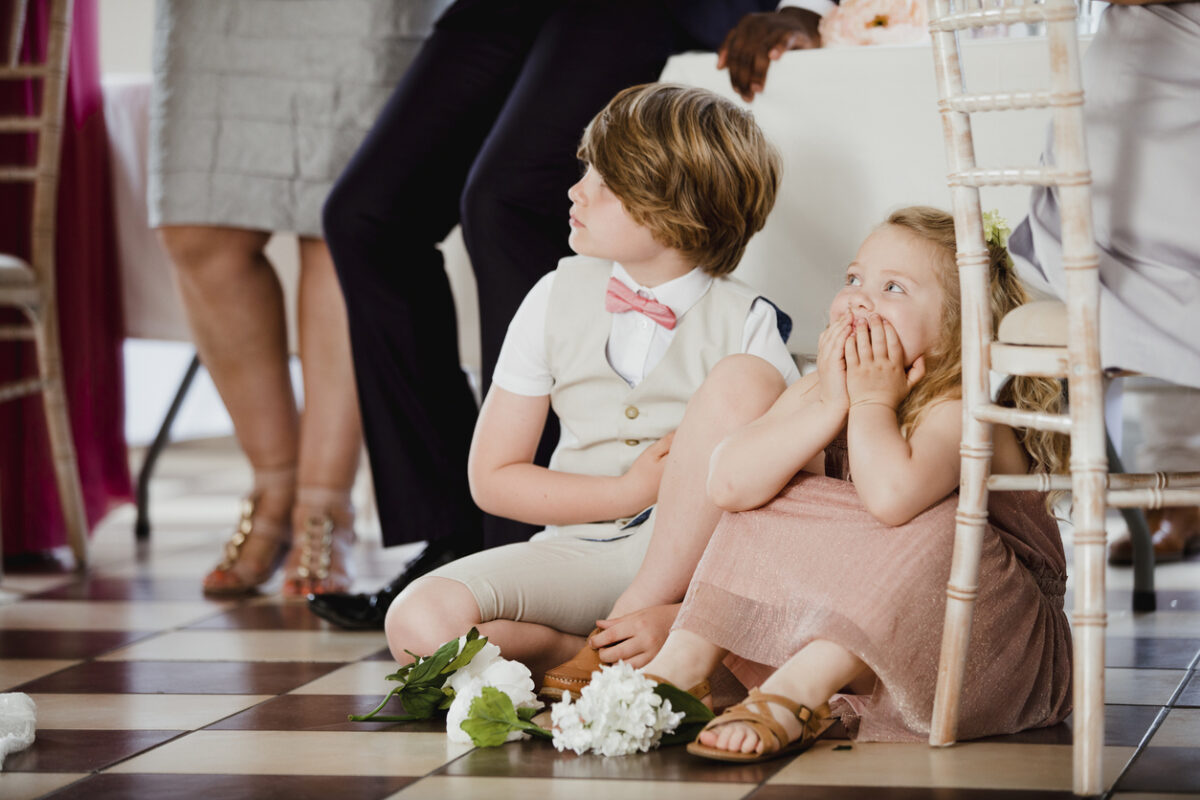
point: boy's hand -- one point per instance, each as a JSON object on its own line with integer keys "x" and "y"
{"x": 635, "y": 638}
{"x": 642, "y": 480}
{"x": 875, "y": 371}
{"x": 831, "y": 365}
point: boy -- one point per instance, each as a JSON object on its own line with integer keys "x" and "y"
{"x": 616, "y": 341}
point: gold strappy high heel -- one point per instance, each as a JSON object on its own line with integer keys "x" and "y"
{"x": 319, "y": 562}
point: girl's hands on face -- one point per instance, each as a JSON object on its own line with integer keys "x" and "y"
{"x": 875, "y": 364}
{"x": 831, "y": 364}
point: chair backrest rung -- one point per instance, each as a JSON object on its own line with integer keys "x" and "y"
{"x": 15, "y": 389}
{"x": 1008, "y": 15}
{"x": 18, "y": 174}
{"x": 22, "y": 72}
{"x": 17, "y": 333}
{"x": 1020, "y": 176}
{"x": 1010, "y": 101}
{"x": 20, "y": 124}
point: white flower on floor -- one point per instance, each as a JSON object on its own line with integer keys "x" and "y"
{"x": 618, "y": 713}
{"x": 487, "y": 668}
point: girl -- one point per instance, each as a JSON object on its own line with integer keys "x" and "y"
{"x": 833, "y": 574}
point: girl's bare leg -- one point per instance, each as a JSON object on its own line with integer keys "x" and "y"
{"x": 685, "y": 659}
{"x": 810, "y": 678}
{"x": 234, "y": 304}
{"x": 330, "y": 433}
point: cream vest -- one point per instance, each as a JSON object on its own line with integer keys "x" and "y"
{"x": 612, "y": 424}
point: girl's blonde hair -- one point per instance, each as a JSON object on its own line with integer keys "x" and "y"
{"x": 943, "y": 363}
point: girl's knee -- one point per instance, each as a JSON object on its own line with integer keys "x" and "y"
{"x": 427, "y": 614}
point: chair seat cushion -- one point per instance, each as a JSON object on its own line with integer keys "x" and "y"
{"x": 1042, "y": 323}
{"x": 15, "y": 272}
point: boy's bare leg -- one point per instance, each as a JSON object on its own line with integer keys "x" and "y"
{"x": 738, "y": 391}
{"x": 431, "y": 611}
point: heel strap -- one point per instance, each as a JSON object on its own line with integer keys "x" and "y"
{"x": 274, "y": 478}
{"x": 809, "y": 719}
{"x": 319, "y": 497}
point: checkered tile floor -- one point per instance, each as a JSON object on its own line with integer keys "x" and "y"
{"x": 147, "y": 689}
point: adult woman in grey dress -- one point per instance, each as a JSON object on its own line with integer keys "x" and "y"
{"x": 258, "y": 104}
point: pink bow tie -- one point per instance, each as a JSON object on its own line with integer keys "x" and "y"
{"x": 621, "y": 298}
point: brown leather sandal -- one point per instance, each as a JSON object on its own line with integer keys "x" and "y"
{"x": 754, "y": 713}
{"x": 239, "y": 574}
{"x": 320, "y": 561}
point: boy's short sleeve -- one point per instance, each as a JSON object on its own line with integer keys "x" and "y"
{"x": 522, "y": 367}
{"x": 761, "y": 338}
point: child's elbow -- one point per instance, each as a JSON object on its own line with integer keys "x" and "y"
{"x": 892, "y": 510}
{"x": 480, "y": 485}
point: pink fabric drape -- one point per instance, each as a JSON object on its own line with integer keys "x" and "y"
{"x": 89, "y": 302}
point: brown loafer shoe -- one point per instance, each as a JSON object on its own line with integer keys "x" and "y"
{"x": 573, "y": 675}
{"x": 1175, "y": 532}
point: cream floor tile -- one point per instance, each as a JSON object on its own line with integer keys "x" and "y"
{"x": 32, "y": 584}
{"x": 94, "y": 615}
{"x": 969, "y": 765}
{"x": 1140, "y": 687}
{"x": 28, "y": 785}
{"x": 445, "y": 787}
{"x": 1151, "y": 796}
{"x": 298, "y": 753}
{"x": 363, "y": 677}
{"x": 1181, "y": 728}
{"x": 15, "y": 671}
{"x": 149, "y": 712}
{"x": 1163, "y": 624}
{"x": 204, "y": 645}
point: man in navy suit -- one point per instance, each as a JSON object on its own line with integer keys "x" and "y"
{"x": 482, "y": 130}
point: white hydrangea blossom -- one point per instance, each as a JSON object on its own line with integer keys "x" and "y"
{"x": 618, "y": 713}
{"x": 487, "y": 668}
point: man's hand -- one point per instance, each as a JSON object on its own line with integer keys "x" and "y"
{"x": 635, "y": 638}
{"x": 759, "y": 39}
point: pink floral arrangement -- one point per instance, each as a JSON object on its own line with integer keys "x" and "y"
{"x": 859, "y": 22}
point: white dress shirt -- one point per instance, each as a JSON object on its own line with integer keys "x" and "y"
{"x": 635, "y": 343}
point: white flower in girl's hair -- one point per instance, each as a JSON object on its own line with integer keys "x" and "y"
{"x": 618, "y": 713}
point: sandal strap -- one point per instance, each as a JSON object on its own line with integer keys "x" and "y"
{"x": 755, "y": 713}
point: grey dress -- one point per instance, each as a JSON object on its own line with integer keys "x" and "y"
{"x": 1142, "y": 83}
{"x": 259, "y": 104}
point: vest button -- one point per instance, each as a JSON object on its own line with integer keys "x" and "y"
{"x": 632, "y": 442}
{"x": 632, "y": 412}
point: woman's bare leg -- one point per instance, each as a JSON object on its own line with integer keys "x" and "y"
{"x": 234, "y": 304}
{"x": 330, "y": 433}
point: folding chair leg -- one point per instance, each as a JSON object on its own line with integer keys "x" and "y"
{"x": 1144, "y": 596}
{"x": 141, "y": 528}
{"x": 62, "y": 446}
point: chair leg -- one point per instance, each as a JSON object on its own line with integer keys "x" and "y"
{"x": 141, "y": 528}
{"x": 62, "y": 444}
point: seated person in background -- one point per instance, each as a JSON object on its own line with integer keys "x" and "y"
{"x": 831, "y": 573}
{"x": 1142, "y": 118}
{"x": 616, "y": 341}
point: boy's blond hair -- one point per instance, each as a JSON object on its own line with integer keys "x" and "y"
{"x": 688, "y": 165}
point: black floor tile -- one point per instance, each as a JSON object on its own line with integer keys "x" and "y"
{"x": 1164, "y": 769}
{"x": 181, "y": 677}
{"x": 83, "y": 751}
{"x": 233, "y": 787}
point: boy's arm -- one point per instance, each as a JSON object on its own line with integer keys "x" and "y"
{"x": 505, "y": 481}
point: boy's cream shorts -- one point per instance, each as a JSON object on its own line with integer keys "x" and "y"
{"x": 561, "y": 582}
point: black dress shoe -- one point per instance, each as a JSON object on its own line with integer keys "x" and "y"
{"x": 366, "y": 612}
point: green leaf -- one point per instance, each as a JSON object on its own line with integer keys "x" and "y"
{"x": 471, "y": 647}
{"x": 427, "y": 671}
{"x": 693, "y": 710}
{"x": 686, "y": 732}
{"x": 492, "y": 717}
{"x": 527, "y": 714}
{"x": 421, "y": 701}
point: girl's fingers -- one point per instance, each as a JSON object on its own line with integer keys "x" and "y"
{"x": 879, "y": 342}
{"x": 862, "y": 335}
{"x": 894, "y": 347}
{"x": 850, "y": 350}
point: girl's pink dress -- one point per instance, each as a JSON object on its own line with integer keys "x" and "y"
{"x": 814, "y": 564}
